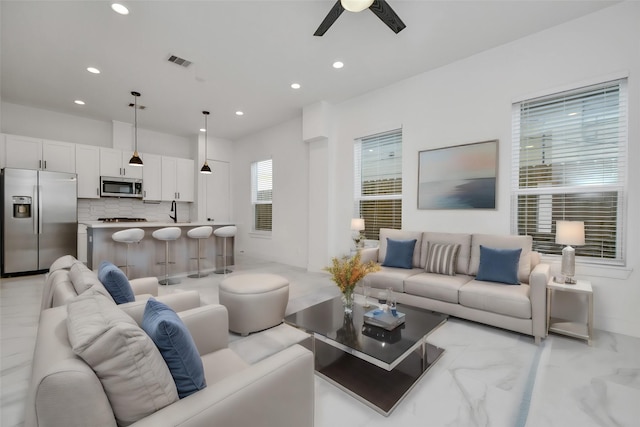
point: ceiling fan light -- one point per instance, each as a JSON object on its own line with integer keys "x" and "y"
{"x": 356, "y": 5}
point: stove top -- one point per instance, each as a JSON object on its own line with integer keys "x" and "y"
{"x": 122, "y": 219}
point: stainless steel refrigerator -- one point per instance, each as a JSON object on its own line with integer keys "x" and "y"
{"x": 39, "y": 219}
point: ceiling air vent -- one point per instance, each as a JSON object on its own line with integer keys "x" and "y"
{"x": 180, "y": 61}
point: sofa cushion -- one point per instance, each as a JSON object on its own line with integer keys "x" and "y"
{"x": 389, "y": 233}
{"x": 436, "y": 286}
{"x": 115, "y": 281}
{"x": 221, "y": 364}
{"x": 82, "y": 277}
{"x": 496, "y": 298}
{"x": 399, "y": 253}
{"x": 502, "y": 242}
{"x": 442, "y": 258}
{"x": 499, "y": 265}
{"x": 63, "y": 263}
{"x": 462, "y": 239}
{"x": 390, "y": 277}
{"x": 133, "y": 374}
{"x": 176, "y": 345}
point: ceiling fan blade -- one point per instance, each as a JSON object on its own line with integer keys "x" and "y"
{"x": 331, "y": 17}
{"x": 386, "y": 14}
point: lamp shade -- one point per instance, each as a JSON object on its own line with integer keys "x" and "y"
{"x": 356, "y": 5}
{"x": 570, "y": 232}
{"x": 357, "y": 224}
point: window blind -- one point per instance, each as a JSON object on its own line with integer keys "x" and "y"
{"x": 569, "y": 160}
{"x": 378, "y": 182}
{"x": 261, "y": 194}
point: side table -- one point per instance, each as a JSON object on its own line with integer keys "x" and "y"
{"x": 565, "y": 327}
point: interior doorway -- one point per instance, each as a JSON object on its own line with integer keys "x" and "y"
{"x": 218, "y": 191}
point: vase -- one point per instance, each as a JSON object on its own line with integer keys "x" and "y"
{"x": 347, "y": 301}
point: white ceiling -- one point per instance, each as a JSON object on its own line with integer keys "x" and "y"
{"x": 245, "y": 54}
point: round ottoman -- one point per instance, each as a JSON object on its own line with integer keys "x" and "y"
{"x": 254, "y": 301}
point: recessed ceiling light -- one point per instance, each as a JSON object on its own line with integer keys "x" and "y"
{"x": 338, "y": 64}
{"x": 93, "y": 70}
{"x": 295, "y": 85}
{"x": 118, "y": 8}
{"x": 203, "y": 130}
{"x": 239, "y": 113}
{"x": 79, "y": 102}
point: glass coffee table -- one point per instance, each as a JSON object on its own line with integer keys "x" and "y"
{"x": 376, "y": 366}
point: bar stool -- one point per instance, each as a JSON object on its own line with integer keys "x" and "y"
{"x": 167, "y": 234}
{"x": 128, "y": 236}
{"x": 200, "y": 233}
{"x": 225, "y": 233}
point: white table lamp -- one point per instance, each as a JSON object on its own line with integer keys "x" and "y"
{"x": 569, "y": 233}
{"x": 357, "y": 225}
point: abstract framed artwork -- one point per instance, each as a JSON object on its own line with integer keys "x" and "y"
{"x": 458, "y": 177}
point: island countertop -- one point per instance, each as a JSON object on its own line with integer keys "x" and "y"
{"x": 153, "y": 224}
{"x": 145, "y": 256}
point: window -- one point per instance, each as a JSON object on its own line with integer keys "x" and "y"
{"x": 570, "y": 164}
{"x": 378, "y": 182}
{"x": 261, "y": 194}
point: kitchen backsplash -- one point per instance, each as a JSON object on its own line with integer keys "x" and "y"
{"x": 107, "y": 207}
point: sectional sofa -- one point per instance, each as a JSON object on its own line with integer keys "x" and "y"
{"x": 461, "y": 291}
{"x": 68, "y": 278}
{"x": 94, "y": 364}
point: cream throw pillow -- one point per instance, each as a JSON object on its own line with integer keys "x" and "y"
{"x": 127, "y": 362}
{"x": 442, "y": 258}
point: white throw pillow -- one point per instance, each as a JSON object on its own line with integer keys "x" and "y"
{"x": 132, "y": 371}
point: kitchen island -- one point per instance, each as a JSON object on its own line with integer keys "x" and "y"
{"x": 144, "y": 257}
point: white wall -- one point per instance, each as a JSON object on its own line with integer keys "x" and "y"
{"x": 38, "y": 123}
{"x": 470, "y": 101}
{"x": 283, "y": 144}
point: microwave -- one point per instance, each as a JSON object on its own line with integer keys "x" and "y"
{"x": 120, "y": 187}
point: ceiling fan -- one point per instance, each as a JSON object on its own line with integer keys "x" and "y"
{"x": 380, "y": 7}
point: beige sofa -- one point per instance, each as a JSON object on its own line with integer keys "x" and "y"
{"x": 520, "y": 308}
{"x": 68, "y": 278}
{"x": 65, "y": 391}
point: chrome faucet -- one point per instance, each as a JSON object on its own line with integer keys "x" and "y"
{"x": 175, "y": 210}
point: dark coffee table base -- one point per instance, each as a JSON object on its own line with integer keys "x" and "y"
{"x": 378, "y": 388}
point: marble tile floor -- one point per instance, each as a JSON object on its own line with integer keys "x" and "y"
{"x": 486, "y": 377}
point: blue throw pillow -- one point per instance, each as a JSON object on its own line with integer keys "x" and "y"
{"x": 499, "y": 265}
{"x": 399, "y": 253}
{"x": 176, "y": 345}
{"x": 116, "y": 283}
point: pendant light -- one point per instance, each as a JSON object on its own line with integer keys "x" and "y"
{"x": 135, "y": 159}
{"x": 205, "y": 168}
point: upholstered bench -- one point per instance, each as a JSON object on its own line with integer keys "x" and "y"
{"x": 254, "y": 301}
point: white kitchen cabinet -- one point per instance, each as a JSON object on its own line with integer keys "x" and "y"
{"x": 151, "y": 176}
{"x": 185, "y": 180}
{"x": 115, "y": 163}
{"x": 88, "y": 170}
{"x": 23, "y": 152}
{"x": 58, "y": 156}
{"x": 177, "y": 179}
